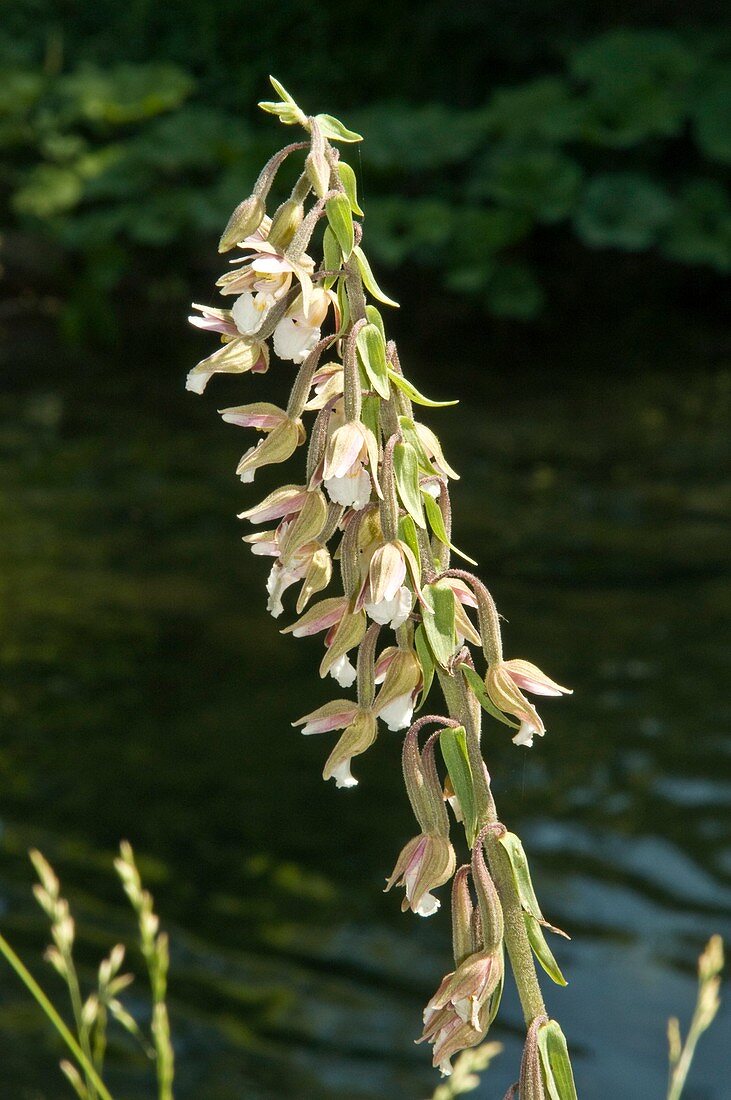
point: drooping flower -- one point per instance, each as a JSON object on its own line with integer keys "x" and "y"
{"x": 284, "y": 435}
{"x": 350, "y": 448}
{"x": 266, "y": 274}
{"x": 357, "y": 738}
{"x": 237, "y": 355}
{"x": 383, "y": 593}
{"x": 300, "y": 555}
{"x": 425, "y": 864}
{"x": 299, "y": 330}
{"x": 360, "y": 728}
{"x": 345, "y": 630}
{"x": 505, "y": 683}
{"x": 400, "y": 673}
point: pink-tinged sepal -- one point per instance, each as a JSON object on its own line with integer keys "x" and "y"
{"x": 529, "y": 678}
{"x": 335, "y": 715}
{"x": 280, "y": 504}
{"x": 323, "y": 616}
{"x": 262, "y": 415}
{"x": 214, "y": 320}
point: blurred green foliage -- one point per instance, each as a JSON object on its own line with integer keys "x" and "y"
{"x": 128, "y": 165}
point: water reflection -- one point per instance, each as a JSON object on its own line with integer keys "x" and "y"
{"x": 137, "y": 701}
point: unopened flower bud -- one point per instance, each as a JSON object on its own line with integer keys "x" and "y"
{"x": 531, "y": 1086}
{"x": 491, "y": 911}
{"x": 244, "y": 221}
{"x": 424, "y": 864}
{"x": 285, "y": 223}
{"x": 462, "y": 910}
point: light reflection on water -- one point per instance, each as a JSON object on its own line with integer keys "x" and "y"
{"x": 138, "y": 702}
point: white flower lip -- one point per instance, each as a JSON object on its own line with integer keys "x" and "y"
{"x": 397, "y": 714}
{"x": 352, "y": 492}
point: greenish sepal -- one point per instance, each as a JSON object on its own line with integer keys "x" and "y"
{"x": 556, "y": 1063}
{"x": 369, "y": 280}
{"x": 477, "y": 687}
{"x": 438, "y": 615}
{"x": 406, "y": 469}
{"x": 347, "y": 178}
{"x": 436, "y": 522}
{"x": 426, "y": 660}
{"x": 340, "y": 221}
{"x": 453, "y": 743}
{"x": 412, "y": 392}
{"x": 372, "y": 354}
{"x": 333, "y": 128}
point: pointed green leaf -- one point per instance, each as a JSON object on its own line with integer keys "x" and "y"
{"x": 436, "y": 522}
{"x": 438, "y": 618}
{"x": 333, "y": 128}
{"x": 406, "y": 469}
{"x": 476, "y": 685}
{"x": 453, "y": 743}
{"x": 521, "y": 873}
{"x": 347, "y": 178}
{"x": 369, "y": 280}
{"x": 542, "y": 951}
{"x": 372, "y": 352}
{"x": 556, "y": 1062}
{"x": 426, "y": 661}
{"x": 340, "y": 221}
{"x": 412, "y": 392}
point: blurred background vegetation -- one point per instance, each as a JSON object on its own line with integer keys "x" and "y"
{"x": 515, "y": 151}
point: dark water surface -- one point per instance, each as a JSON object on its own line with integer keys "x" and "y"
{"x": 146, "y": 694}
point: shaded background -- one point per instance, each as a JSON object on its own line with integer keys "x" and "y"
{"x": 545, "y": 187}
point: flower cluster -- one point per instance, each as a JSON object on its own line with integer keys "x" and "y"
{"x": 374, "y": 499}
